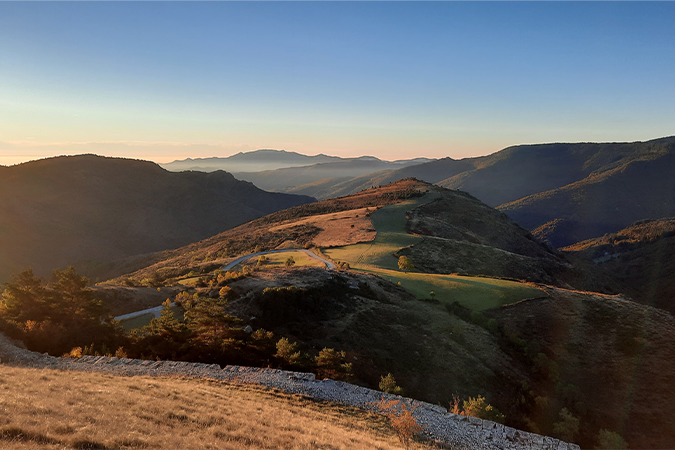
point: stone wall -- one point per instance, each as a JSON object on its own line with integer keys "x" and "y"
{"x": 459, "y": 431}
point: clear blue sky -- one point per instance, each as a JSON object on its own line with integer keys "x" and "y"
{"x": 164, "y": 81}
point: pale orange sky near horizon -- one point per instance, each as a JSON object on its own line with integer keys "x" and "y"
{"x": 17, "y": 152}
{"x": 12, "y": 153}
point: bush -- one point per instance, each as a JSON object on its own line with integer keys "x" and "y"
{"x": 405, "y": 264}
{"x": 388, "y": 385}
{"x": 75, "y": 353}
{"x": 401, "y": 420}
{"x": 476, "y": 407}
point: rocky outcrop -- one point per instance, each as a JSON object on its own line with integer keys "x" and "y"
{"x": 437, "y": 422}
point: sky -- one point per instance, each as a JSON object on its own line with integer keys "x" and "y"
{"x": 171, "y": 80}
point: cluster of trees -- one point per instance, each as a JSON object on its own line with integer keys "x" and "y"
{"x": 54, "y": 316}
{"x": 61, "y": 316}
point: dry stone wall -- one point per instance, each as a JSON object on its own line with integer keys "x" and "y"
{"x": 459, "y": 431}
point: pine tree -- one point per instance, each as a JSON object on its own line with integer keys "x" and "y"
{"x": 209, "y": 320}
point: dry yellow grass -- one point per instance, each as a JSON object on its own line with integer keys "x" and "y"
{"x": 44, "y": 408}
{"x": 337, "y": 229}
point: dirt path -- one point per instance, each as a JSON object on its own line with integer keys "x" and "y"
{"x": 155, "y": 311}
{"x": 329, "y": 265}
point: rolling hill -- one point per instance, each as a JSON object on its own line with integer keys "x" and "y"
{"x": 563, "y": 192}
{"x": 283, "y": 180}
{"x": 603, "y": 202}
{"x": 67, "y": 210}
{"x": 524, "y": 346}
{"x": 457, "y": 233}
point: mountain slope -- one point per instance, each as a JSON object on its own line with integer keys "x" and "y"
{"x": 298, "y": 226}
{"x": 335, "y": 185}
{"x": 462, "y": 234}
{"x": 63, "y": 210}
{"x": 639, "y": 258}
{"x": 563, "y": 192}
{"x": 519, "y": 171}
{"x": 608, "y": 360}
{"x": 459, "y": 234}
{"x": 601, "y": 203}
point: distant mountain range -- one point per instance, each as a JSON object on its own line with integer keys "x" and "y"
{"x": 563, "y": 192}
{"x": 268, "y": 160}
{"x": 65, "y": 210}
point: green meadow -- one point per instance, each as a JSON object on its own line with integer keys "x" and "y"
{"x": 389, "y": 222}
{"x": 301, "y": 259}
{"x": 377, "y": 257}
{"x": 472, "y": 292}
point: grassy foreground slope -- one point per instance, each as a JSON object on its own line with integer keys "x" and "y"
{"x": 43, "y": 408}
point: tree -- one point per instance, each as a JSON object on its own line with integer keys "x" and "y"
{"x": 209, "y": 320}
{"x": 388, "y": 385}
{"x": 166, "y": 325}
{"x": 567, "y": 426}
{"x": 74, "y": 300}
{"x": 290, "y": 261}
{"x": 405, "y": 264}
{"x": 331, "y": 364}
{"x": 24, "y": 298}
{"x": 286, "y": 351}
{"x": 609, "y": 440}
{"x": 57, "y": 317}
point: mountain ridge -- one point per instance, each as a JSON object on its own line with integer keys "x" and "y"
{"x": 65, "y": 210}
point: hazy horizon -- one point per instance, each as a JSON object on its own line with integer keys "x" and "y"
{"x": 131, "y": 153}
{"x": 167, "y": 81}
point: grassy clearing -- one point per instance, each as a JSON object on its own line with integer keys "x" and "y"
{"x": 472, "y": 292}
{"x": 136, "y": 322}
{"x": 391, "y": 236}
{"x": 190, "y": 282}
{"x": 43, "y": 408}
{"x": 301, "y": 259}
